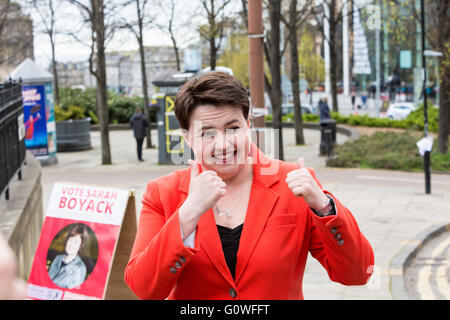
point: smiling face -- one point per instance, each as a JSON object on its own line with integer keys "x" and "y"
{"x": 219, "y": 139}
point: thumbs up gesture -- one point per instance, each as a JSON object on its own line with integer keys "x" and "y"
{"x": 205, "y": 189}
{"x": 302, "y": 184}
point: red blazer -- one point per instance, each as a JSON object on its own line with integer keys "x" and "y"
{"x": 279, "y": 231}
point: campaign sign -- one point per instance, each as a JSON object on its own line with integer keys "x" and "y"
{"x": 78, "y": 240}
{"x": 35, "y": 118}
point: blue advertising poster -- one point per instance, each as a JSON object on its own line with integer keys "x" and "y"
{"x": 35, "y": 119}
{"x": 51, "y": 126}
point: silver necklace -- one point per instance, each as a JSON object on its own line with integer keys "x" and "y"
{"x": 220, "y": 212}
{"x": 227, "y": 211}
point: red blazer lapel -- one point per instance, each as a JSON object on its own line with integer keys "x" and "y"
{"x": 210, "y": 242}
{"x": 208, "y": 235}
{"x": 261, "y": 203}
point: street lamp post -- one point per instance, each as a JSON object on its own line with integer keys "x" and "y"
{"x": 256, "y": 63}
{"x": 377, "y": 66}
{"x": 426, "y": 157}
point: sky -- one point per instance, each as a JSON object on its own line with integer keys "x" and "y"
{"x": 69, "y": 50}
{"x": 68, "y": 20}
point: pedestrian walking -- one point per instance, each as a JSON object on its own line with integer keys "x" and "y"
{"x": 353, "y": 100}
{"x": 324, "y": 109}
{"x": 364, "y": 100}
{"x": 139, "y": 122}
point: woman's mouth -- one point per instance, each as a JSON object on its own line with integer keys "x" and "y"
{"x": 226, "y": 158}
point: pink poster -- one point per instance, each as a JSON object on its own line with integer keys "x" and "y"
{"x": 77, "y": 242}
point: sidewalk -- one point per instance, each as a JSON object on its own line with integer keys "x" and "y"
{"x": 391, "y": 208}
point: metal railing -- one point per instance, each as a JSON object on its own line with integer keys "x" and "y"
{"x": 12, "y": 134}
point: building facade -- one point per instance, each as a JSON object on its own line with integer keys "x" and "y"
{"x": 16, "y": 37}
{"x": 70, "y": 74}
{"x": 123, "y": 70}
{"x": 157, "y": 59}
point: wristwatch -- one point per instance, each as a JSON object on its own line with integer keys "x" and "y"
{"x": 329, "y": 209}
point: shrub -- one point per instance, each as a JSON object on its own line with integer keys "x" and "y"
{"x": 69, "y": 113}
{"x": 86, "y": 99}
{"x": 120, "y": 107}
{"x": 415, "y": 119}
{"x": 387, "y": 150}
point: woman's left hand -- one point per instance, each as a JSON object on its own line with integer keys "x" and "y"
{"x": 303, "y": 185}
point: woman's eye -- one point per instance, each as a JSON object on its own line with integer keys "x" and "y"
{"x": 208, "y": 134}
{"x": 233, "y": 129}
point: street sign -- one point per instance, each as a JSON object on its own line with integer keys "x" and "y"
{"x": 431, "y": 53}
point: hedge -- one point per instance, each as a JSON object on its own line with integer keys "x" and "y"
{"x": 74, "y": 103}
{"x": 387, "y": 150}
{"x": 414, "y": 121}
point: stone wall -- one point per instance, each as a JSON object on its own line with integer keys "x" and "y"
{"x": 21, "y": 217}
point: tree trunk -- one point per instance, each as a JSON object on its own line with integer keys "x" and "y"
{"x": 140, "y": 39}
{"x": 275, "y": 63}
{"x": 212, "y": 52}
{"x": 293, "y": 43}
{"x": 333, "y": 55}
{"x": 177, "y": 53}
{"x": 102, "y": 99}
{"x": 444, "y": 104}
{"x": 145, "y": 90}
{"x": 172, "y": 35}
{"x": 55, "y": 73}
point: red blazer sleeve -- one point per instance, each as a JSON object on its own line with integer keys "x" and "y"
{"x": 158, "y": 255}
{"x": 338, "y": 244}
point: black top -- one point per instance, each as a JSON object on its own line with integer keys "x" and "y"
{"x": 230, "y": 244}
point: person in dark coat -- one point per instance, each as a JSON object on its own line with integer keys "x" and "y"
{"x": 139, "y": 122}
{"x": 353, "y": 100}
{"x": 324, "y": 109}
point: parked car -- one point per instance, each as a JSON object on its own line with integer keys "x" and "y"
{"x": 306, "y": 108}
{"x": 320, "y": 87}
{"x": 400, "y": 110}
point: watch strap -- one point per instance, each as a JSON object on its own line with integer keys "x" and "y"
{"x": 328, "y": 210}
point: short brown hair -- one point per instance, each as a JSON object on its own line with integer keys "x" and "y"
{"x": 214, "y": 88}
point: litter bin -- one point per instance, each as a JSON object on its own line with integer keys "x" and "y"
{"x": 172, "y": 147}
{"x": 73, "y": 135}
{"x": 327, "y": 136}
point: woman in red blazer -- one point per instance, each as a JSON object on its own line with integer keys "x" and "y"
{"x": 237, "y": 224}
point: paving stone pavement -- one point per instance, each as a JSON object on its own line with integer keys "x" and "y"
{"x": 391, "y": 208}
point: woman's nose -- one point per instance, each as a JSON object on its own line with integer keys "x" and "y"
{"x": 223, "y": 142}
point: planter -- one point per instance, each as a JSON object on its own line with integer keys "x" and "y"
{"x": 73, "y": 135}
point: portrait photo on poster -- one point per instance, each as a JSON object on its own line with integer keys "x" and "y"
{"x": 72, "y": 255}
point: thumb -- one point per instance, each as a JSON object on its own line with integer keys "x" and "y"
{"x": 301, "y": 163}
{"x": 194, "y": 168}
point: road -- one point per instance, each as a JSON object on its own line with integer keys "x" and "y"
{"x": 428, "y": 277}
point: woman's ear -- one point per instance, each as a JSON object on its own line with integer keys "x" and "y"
{"x": 186, "y": 137}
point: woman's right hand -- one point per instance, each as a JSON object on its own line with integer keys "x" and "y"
{"x": 205, "y": 189}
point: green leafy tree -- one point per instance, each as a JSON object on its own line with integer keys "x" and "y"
{"x": 312, "y": 66}
{"x": 235, "y": 57}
